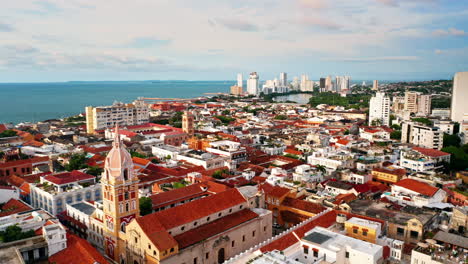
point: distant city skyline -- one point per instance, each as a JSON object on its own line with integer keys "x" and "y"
{"x": 50, "y": 41}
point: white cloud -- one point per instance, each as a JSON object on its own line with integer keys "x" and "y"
{"x": 374, "y": 59}
{"x": 450, "y": 32}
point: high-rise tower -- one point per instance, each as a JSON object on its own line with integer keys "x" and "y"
{"x": 120, "y": 198}
{"x": 239, "y": 80}
{"x": 459, "y": 107}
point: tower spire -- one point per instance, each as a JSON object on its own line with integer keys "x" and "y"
{"x": 116, "y": 136}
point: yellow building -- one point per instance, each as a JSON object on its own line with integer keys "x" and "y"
{"x": 363, "y": 229}
{"x": 388, "y": 175}
{"x": 236, "y": 90}
{"x": 120, "y": 198}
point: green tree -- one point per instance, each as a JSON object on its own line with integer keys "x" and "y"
{"x": 289, "y": 155}
{"x": 14, "y": 232}
{"x": 137, "y": 154}
{"x": 395, "y": 127}
{"x": 281, "y": 117}
{"x": 8, "y": 133}
{"x": 94, "y": 170}
{"x": 396, "y": 134}
{"x": 219, "y": 174}
{"x": 458, "y": 159}
{"x": 146, "y": 206}
{"x": 422, "y": 120}
{"x": 451, "y": 140}
{"x": 321, "y": 169}
{"x": 77, "y": 162}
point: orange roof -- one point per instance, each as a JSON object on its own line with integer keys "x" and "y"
{"x": 293, "y": 151}
{"x": 14, "y": 206}
{"x": 78, "y": 251}
{"x": 208, "y": 230}
{"x": 197, "y": 209}
{"x": 303, "y": 205}
{"x": 14, "y": 163}
{"x": 342, "y": 142}
{"x": 417, "y": 186}
{"x": 278, "y": 191}
{"x": 140, "y": 161}
{"x": 430, "y": 152}
{"x": 33, "y": 143}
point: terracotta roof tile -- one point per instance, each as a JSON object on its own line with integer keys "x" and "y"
{"x": 78, "y": 251}
{"x": 14, "y": 206}
{"x": 417, "y": 186}
{"x": 208, "y": 230}
{"x": 430, "y": 152}
{"x": 303, "y": 205}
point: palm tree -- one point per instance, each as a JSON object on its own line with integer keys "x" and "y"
{"x": 321, "y": 169}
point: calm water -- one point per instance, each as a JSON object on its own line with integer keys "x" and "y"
{"x": 298, "y": 98}
{"x": 20, "y": 102}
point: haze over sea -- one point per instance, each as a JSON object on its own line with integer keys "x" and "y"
{"x": 34, "y": 102}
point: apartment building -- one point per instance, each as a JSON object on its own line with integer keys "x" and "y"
{"x": 422, "y": 135}
{"x": 102, "y": 117}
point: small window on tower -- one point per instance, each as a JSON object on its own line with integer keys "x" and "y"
{"x": 125, "y": 175}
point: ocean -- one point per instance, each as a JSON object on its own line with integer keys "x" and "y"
{"x": 33, "y": 102}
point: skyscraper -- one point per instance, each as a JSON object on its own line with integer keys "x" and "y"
{"x": 379, "y": 109}
{"x": 424, "y": 104}
{"x": 328, "y": 83}
{"x": 239, "y": 80}
{"x": 375, "y": 87}
{"x": 459, "y": 106}
{"x": 322, "y": 84}
{"x": 252, "y": 84}
{"x": 411, "y": 101}
{"x": 304, "y": 79}
{"x": 283, "y": 79}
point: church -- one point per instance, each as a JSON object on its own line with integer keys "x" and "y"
{"x": 208, "y": 230}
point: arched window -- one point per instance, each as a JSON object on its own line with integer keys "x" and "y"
{"x": 122, "y": 227}
{"x": 125, "y": 175}
{"x": 126, "y": 207}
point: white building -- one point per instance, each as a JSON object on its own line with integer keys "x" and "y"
{"x": 415, "y": 193}
{"x": 56, "y": 190}
{"x": 422, "y": 135}
{"x": 424, "y": 105}
{"x": 459, "y": 106}
{"x": 283, "y": 81}
{"x": 423, "y": 159}
{"x": 7, "y": 193}
{"x": 379, "y": 109}
{"x": 342, "y": 83}
{"x": 102, "y": 117}
{"x": 207, "y": 160}
{"x": 229, "y": 149}
{"x": 240, "y": 82}
{"x": 253, "y": 87}
{"x": 304, "y": 173}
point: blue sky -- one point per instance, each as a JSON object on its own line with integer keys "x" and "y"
{"x": 64, "y": 40}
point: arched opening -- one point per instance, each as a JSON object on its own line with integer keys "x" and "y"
{"x": 135, "y": 262}
{"x": 122, "y": 227}
{"x": 221, "y": 255}
{"x": 125, "y": 174}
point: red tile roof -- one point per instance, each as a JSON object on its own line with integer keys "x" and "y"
{"x": 23, "y": 162}
{"x": 14, "y": 206}
{"x": 189, "y": 212}
{"x": 278, "y": 191}
{"x": 78, "y": 251}
{"x": 303, "y": 205}
{"x": 68, "y": 177}
{"x": 343, "y": 142}
{"x": 2, "y": 128}
{"x": 417, "y": 186}
{"x": 430, "y": 152}
{"x": 218, "y": 226}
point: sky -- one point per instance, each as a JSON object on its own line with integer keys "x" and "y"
{"x": 83, "y": 40}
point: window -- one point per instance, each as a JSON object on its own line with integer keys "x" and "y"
{"x": 315, "y": 253}
{"x": 253, "y": 233}
{"x": 208, "y": 219}
{"x": 219, "y": 214}
{"x": 233, "y": 243}
{"x": 125, "y": 174}
{"x": 207, "y": 255}
{"x": 400, "y": 231}
{"x": 364, "y": 233}
{"x": 126, "y": 207}
{"x": 182, "y": 228}
{"x": 243, "y": 238}
{"x": 195, "y": 260}
{"x": 149, "y": 246}
{"x": 347, "y": 254}
{"x": 414, "y": 234}
{"x": 172, "y": 250}
{"x": 154, "y": 252}
{"x": 306, "y": 250}
{"x": 195, "y": 224}
{"x": 136, "y": 240}
{"x": 355, "y": 230}
{"x": 126, "y": 195}
{"x": 264, "y": 228}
